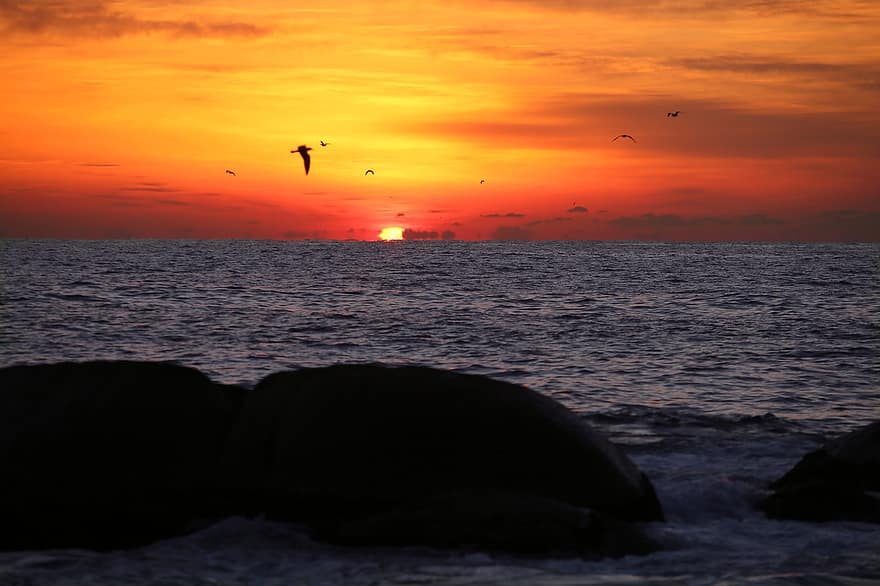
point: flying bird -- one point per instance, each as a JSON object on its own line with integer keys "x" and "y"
{"x": 624, "y": 136}
{"x": 304, "y": 151}
{"x": 369, "y": 172}
{"x": 482, "y": 181}
{"x": 324, "y": 143}
{"x": 673, "y": 114}
{"x": 228, "y": 172}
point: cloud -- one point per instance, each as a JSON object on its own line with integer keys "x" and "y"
{"x": 847, "y": 225}
{"x": 577, "y": 210}
{"x": 684, "y": 8}
{"x": 410, "y": 234}
{"x": 510, "y": 233}
{"x": 507, "y": 215}
{"x": 665, "y": 221}
{"x": 151, "y": 186}
{"x": 104, "y": 19}
{"x": 850, "y": 74}
{"x": 447, "y": 235}
{"x": 306, "y": 235}
{"x": 548, "y": 221}
{"x": 706, "y": 128}
{"x": 760, "y": 220}
{"x": 98, "y": 165}
{"x": 171, "y": 202}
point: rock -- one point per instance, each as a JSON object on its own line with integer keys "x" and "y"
{"x": 331, "y": 446}
{"x": 108, "y": 454}
{"x": 840, "y": 481}
{"x": 494, "y": 521}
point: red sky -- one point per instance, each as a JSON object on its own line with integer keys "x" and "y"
{"x": 119, "y": 119}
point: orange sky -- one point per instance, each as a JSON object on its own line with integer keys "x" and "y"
{"x": 118, "y": 119}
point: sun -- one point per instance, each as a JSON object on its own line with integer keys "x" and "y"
{"x": 391, "y": 233}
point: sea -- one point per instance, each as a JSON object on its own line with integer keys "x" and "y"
{"x": 714, "y": 366}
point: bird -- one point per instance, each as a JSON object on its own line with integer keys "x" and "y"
{"x": 304, "y": 151}
{"x": 624, "y": 136}
{"x": 228, "y": 172}
{"x": 482, "y": 181}
{"x": 673, "y": 114}
{"x": 369, "y": 172}
{"x": 324, "y": 143}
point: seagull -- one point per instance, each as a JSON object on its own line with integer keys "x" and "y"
{"x": 228, "y": 172}
{"x": 673, "y": 114}
{"x": 624, "y": 136}
{"x": 324, "y": 143}
{"x": 482, "y": 181}
{"x": 304, "y": 151}
{"x": 369, "y": 172}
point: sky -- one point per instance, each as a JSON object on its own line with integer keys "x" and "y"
{"x": 482, "y": 119}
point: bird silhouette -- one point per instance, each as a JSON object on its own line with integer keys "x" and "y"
{"x": 304, "y": 151}
{"x": 482, "y": 181}
{"x": 324, "y": 143}
{"x": 228, "y": 172}
{"x": 624, "y": 136}
{"x": 673, "y": 114}
{"x": 369, "y": 172}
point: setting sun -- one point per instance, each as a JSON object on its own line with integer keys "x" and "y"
{"x": 391, "y": 233}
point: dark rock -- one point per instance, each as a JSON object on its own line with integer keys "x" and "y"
{"x": 833, "y": 483}
{"x": 330, "y": 446}
{"x": 108, "y": 454}
{"x": 494, "y": 521}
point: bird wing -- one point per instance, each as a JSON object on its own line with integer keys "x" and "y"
{"x": 631, "y": 138}
{"x": 307, "y": 160}
{"x": 616, "y": 137}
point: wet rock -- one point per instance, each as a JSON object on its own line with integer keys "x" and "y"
{"x": 108, "y": 454}
{"x": 840, "y": 481}
{"x": 334, "y": 446}
{"x": 494, "y": 521}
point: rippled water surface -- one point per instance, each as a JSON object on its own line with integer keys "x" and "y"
{"x": 727, "y": 328}
{"x": 716, "y": 366}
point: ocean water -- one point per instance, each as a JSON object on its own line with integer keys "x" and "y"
{"x": 714, "y": 366}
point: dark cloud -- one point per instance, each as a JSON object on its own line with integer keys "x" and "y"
{"x": 410, "y": 234}
{"x": 101, "y": 18}
{"x": 684, "y": 8}
{"x": 665, "y": 221}
{"x": 447, "y": 235}
{"x": 706, "y": 128}
{"x": 548, "y": 221}
{"x": 97, "y": 164}
{"x": 171, "y": 202}
{"x": 847, "y": 225}
{"x": 753, "y": 64}
{"x": 577, "y": 210}
{"x": 151, "y": 188}
{"x": 507, "y": 215}
{"x": 510, "y": 233}
{"x": 859, "y": 75}
{"x": 306, "y": 235}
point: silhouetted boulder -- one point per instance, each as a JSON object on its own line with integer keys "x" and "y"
{"x": 337, "y": 446}
{"x": 835, "y": 482}
{"x": 108, "y": 454}
{"x": 493, "y": 521}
